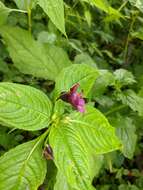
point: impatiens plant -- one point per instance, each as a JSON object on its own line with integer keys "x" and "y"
{"x": 61, "y": 86}
{"x": 71, "y": 137}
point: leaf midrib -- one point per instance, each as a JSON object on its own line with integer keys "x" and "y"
{"x": 66, "y": 142}
{"x": 23, "y": 167}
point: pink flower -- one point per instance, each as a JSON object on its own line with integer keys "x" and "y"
{"x": 74, "y": 98}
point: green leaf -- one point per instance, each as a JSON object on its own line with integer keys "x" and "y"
{"x": 96, "y": 162}
{"x": 55, "y": 10}
{"x": 88, "y": 17}
{"x": 86, "y": 59}
{"x": 61, "y": 183}
{"x": 104, "y": 80}
{"x": 131, "y": 99}
{"x": 25, "y": 4}
{"x": 126, "y": 133}
{"x": 75, "y": 140}
{"x": 104, "y": 6}
{"x": 31, "y": 57}
{"x": 137, "y": 3}
{"x": 57, "y": 58}
{"x": 76, "y": 73}
{"x": 96, "y": 131}
{"x": 138, "y": 34}
{"x": 4, "y": 12}
{"x": 95, "y": 165}
{"x": 123, "y": 77}
{"x": 3, "y": 66}
{"x": 47, "y": 37}
{"x": 24, "y": 107}
{"x": 128, "y": 187}
{"x": 71, "y": 157}
{"x": 23, "y": 167}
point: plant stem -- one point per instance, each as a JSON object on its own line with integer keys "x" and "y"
{"x": 45, "y": 143}
{"x": 109, "y": 161}
{"x": 18, "y": 10}
{"x": 123, "y": 5}
{"x": 29, "y": 8}
{"x": 29, "y": 20}
{"x": 128, "y": 38}
{"x": 115, "y": 110}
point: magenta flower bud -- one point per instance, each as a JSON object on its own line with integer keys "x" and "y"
{"x": 74, "y": 98}
{"x": 48, "y": 152}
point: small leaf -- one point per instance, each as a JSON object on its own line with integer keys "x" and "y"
{"x": 47, "y": 37}
{"x": 137, "y": 3}
{"x": 104, "y": 80}
{"x": 88, "y": 17}
{"x": 76, "y": 73}
{"x": 24, "y": 107}
{"x": 126, "y": 133}
{"x": 124, "y": 77}
{"x": 128, "y": 187}
{"x": 55, "y": 10}
{"x": 131, "y": 99}
{"x": 75, "y": 140}
{"x": 31, "y": 57}
{"x": 84, "y": 58}
{"x": 138, "y": 34}
{"x": 3, "y": 66}
{"x": 104, "y": 6}
{"x": 23, "y": 168}
{"x": 4, "y": 12}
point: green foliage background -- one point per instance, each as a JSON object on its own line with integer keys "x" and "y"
{"x": 106, "y": 36}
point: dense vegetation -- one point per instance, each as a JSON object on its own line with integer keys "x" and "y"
{"x": 71, "y": 95}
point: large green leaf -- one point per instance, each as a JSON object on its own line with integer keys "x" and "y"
{"x": 75, "y": 140}
{"x": 23, "y": 168}
{"x": 55, "y": 10}
{"x": 77, "y": 73}
{"x": 24, "y": 107}
{"x": 4, "y": 12}
{"x": 31, "y": 57}
{"x": 137, "y": 3}
{"x": 71, "y": 157}
{"x": 126, "y": 133}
